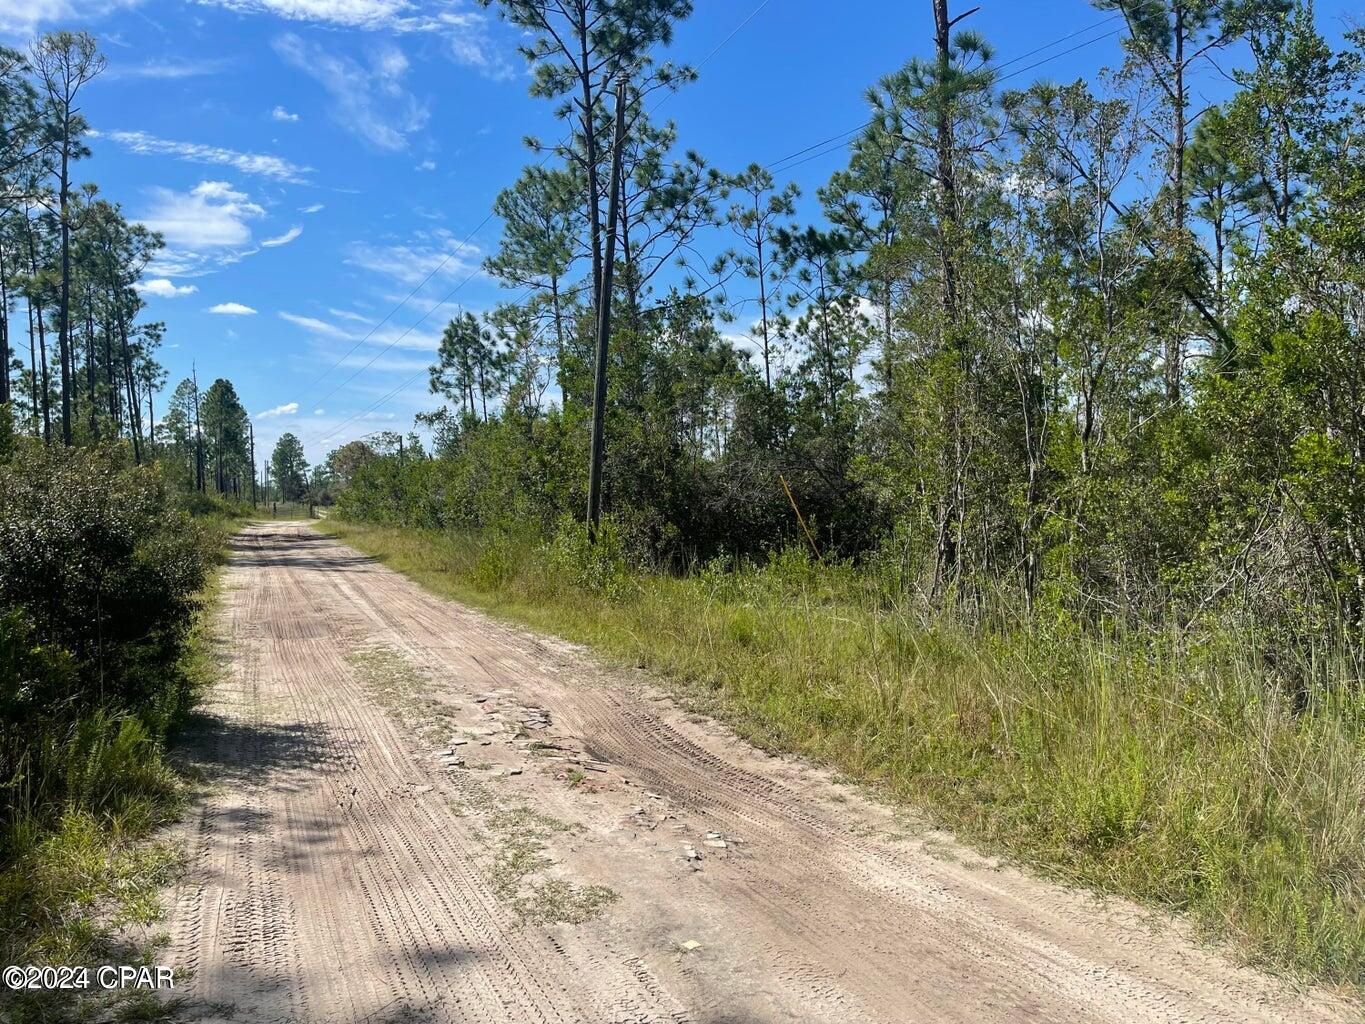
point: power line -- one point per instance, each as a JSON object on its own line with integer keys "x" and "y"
{"x": 840, "y": 140}
{"x": 834, "y": 142}
{"x": 776, "y": 166}
{"x": 406, "y": 299}
{"x": 733, "y": 32}
{"x": 714, "y": 50}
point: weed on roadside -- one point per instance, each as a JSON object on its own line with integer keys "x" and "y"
{"x": 520, "y": 835}
{"x": 1176, "y": 774}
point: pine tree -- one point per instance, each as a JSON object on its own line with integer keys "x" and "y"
{"x": 65, "y": 62}
{"x": 289, "y": 468}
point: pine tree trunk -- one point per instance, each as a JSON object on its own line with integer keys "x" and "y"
{"x": 4, "y": 331}
{"x": 64, "y": 307}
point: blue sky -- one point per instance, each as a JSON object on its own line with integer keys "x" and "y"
{"x": 311, "y": 161}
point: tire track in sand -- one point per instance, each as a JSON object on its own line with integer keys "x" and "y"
{"x": 337, "y": 875}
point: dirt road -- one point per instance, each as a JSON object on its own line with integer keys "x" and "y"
{"x": 421, "y": 814}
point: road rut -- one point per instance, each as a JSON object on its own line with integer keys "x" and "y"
{"x": 419, "y": 813}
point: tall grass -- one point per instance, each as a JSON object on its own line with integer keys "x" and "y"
{"x": 1165, "y": 767}
{"x": 86, "y": 786}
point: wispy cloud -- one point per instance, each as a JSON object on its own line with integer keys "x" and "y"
{"x": 437, "y": 252}
{"x": 310, "y": 323}
{"x": 346, "y": 314}
{"x": 164, "y": 289}
{"x": 311, "y": 208}
{"x": 232, "y": 309}
{"x": 426, "y": 165}
{"x": 387, "y": 337}
{"x": 261, "y": 164}
{"x": 370, "y": 102}
{"x": 287, "y": 409}
{"x": 466, "y": 31}
{"x": 371, "y": 14}
{"x": 168, "y": 68}
{"x": 283, "y": 239}
{"x": 280, "y": 114}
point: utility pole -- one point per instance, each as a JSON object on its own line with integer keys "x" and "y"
{"x": 944, "y": 144}
{"x": 599, "y": 394}
{"x": 251, "y": 431}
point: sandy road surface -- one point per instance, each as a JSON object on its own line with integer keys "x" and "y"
{"x": 422, "y": 814}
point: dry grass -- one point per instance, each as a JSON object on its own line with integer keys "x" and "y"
{"x": 1175, "y": 774}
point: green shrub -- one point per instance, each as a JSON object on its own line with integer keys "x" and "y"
{"x": 600, "y": 568}
{"x": 200, "y": 504}
{"x": 101, "y": 567}
{"x": 102, "y": 564}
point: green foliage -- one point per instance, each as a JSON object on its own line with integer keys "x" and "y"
{"x": 1169, "y": 768}
{"x": 599, "y": 568}
{"x": 102, "y": 564}
{"x": 101, "y": 574}
{"x": 289, "y": 468}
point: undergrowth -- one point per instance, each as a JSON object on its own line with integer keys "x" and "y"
{"x": 77, "y": 883}
{"x": 1163, "y": 767}
{"x": 81, "y": 865}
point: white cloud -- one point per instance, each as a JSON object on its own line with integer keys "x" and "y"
{"x": 368, "y": 102}
{"x": 466, "y": 31}
{"x": 346, "y": 314}
{"x": 283, "y": 239}
{"x": 741, "y": 342}
{"x": 311, "y": 208}
{"x": 22, "y": 17}
{"x": 310, "y": 323}
{"x": 288, "y": 409}
{"x": 164, "y": 289}
{"x": 382, "y": 339}
{"x": 373, "y": 14}
{"x": 232, "y": 309}
{"x": 280, "y": 114}
{"x": 248, "y": 163}
{"x": 318, "y": 412}
{"x": 437, "y": 251}
{"x": 385, "y": 363}
{"x": 426, "y": 165}
{"x": 210, "y": 215}
{"x": 167, "y": 68}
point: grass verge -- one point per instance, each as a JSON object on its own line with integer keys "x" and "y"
{"x": 80, "y": 883}
{"x": 1170, "y": 772}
